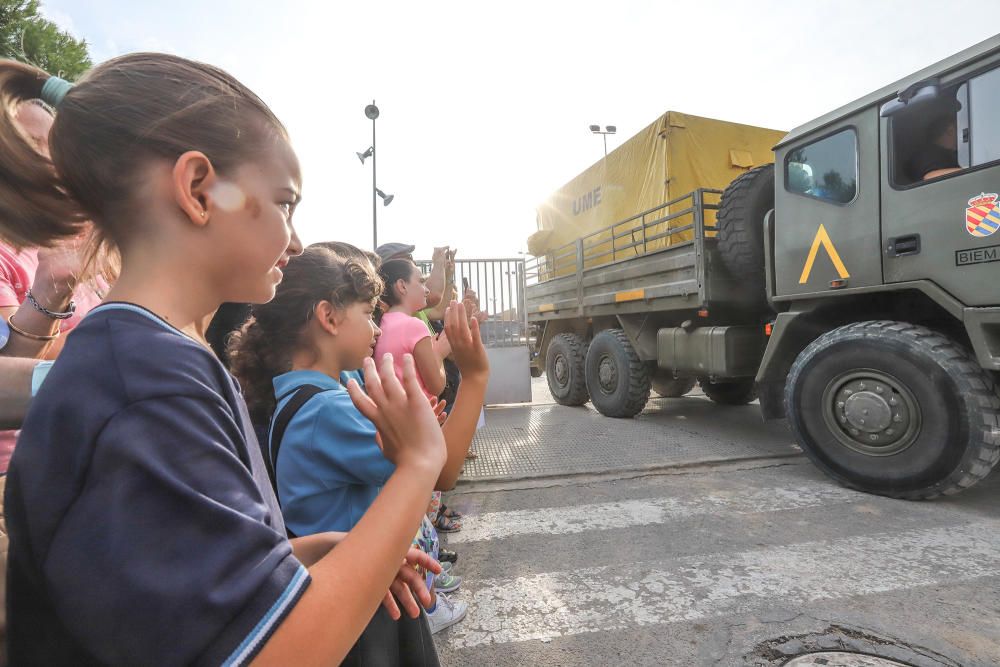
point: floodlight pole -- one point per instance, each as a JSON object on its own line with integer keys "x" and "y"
{"x": 608, "y": 129}
{"x": 373, "y": 116}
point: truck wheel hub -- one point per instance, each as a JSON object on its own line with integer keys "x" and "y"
{"x": 561, "y": 370}
{"x": 868, "y": 412}
{"x": 608, "y": 375}
{"x": 871, "y": 412}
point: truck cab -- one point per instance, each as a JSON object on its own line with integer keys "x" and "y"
{"x": 885, "y": 235}
{"x": 888, "y": 189}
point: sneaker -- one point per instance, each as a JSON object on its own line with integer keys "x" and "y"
{"x": 446, "y": 614}
{"x": 446, "y": 582}
{"x": 446, "y": 556}
{"x": 446, "y": 567}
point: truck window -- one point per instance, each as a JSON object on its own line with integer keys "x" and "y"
{"x": 956, "y": 132}
{"x": 826, "y": 169}
{"x": 924, "y": 140}
{"x": 984, "y": 128}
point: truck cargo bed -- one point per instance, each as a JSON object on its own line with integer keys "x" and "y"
{"x": 578, "y": 280}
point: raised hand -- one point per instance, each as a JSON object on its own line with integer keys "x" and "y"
{"x": 409, "y": 586}
{"x": 471, "y": 302}
{"x": 441, "y": 345}
{"x": 466, "y": 343}
{"x": 59, "y": 268}
{"x": 438, "y": 407}
{"x": 408, "y": 429}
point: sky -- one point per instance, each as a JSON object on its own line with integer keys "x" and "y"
{"x": 485, "y": 107}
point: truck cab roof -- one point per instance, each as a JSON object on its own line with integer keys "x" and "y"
{"x": 889, "y": 92}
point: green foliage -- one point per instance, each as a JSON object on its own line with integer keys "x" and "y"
{"x": 27, "y": 36}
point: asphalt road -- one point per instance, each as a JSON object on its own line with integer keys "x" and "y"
{"x": 728, "y": 559}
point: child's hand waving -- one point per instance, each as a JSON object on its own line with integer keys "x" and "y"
{"x": 466, "y": 344}
{"x": 438, "y": 408}
{"x": 408, "y": 428}
{"x": 409, "y": 587}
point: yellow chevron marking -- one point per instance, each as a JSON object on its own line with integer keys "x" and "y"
{"x": 823, "y": 239}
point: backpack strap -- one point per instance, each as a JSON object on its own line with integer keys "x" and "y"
{"x": 299, "y": 397}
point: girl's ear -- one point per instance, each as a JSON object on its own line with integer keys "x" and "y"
{"x": 193, "y": 175}
{"x": 327, "y": 317}
{"x": 400, "y": 287}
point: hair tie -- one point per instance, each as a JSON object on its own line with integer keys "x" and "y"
{"x": 54, "y": 90}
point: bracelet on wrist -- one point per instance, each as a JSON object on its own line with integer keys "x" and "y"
{"x": 71, "y": 309}
{"x": 27, "y": 334}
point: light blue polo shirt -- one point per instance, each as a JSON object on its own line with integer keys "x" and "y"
{"x": 330, "y": 469}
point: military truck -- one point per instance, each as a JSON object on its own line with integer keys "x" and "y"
{"x": 853, "y": 286}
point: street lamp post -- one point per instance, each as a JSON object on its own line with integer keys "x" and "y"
{"x": 608, "y": 129}
{"x": 371, "y": 111}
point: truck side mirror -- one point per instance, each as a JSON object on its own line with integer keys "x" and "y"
{"x": 916, "y": 95}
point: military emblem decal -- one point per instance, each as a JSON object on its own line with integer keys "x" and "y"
{"x": 982, "y": 217}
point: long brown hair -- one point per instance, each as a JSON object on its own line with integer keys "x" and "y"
{"x": 391, "y": 272}
{"x": 263, "y": 348}
{"x": 119, "y": 116}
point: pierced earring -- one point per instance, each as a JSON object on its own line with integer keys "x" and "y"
{"x": 203, "y": 214}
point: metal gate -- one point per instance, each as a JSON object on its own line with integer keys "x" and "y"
{"x": 499, "y": 286}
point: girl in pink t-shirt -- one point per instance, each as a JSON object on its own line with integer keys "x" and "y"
{"x": 402, "y": 333}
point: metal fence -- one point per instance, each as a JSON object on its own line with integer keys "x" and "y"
{"x": 499, "y": 285}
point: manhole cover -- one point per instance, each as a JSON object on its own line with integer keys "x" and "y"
{"x": 842, "y": 659}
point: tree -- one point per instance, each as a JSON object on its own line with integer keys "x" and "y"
{"x": 27, "y": 36}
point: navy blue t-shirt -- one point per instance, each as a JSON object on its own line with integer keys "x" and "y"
{"x": 143, "y": 528}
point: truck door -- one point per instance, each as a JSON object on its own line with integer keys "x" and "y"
{"x": 941, "y": 190}
{"x": 826, "y": 229}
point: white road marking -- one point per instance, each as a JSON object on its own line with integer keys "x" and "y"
{"x": 556, "y": 604}
{"x": 628, "y": 513}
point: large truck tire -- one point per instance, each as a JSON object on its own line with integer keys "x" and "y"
{"x": 730, "y": 392}
{"x": 667, "y": 386}
{"x": 740, "y": 222}
{"x": 564, "y": 369}
{"x": 618, "y": 381}
{"x": 894, "y": 409}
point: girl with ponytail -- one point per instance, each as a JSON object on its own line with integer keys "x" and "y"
{"x": 143, "y": 527}
{"x": 43, "y": 292}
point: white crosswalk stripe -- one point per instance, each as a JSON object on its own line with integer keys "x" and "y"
{"x": 629, "y": 513}
{"x": 555, "y": 604}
